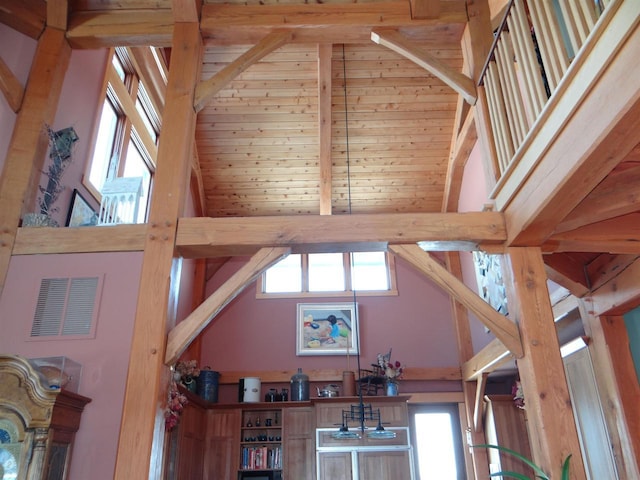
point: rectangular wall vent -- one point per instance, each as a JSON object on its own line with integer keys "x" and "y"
{"x": 66, "y": 307}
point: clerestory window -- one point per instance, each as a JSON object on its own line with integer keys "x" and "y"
{"x": 329, "y": 274}
{"x": 128, "y": 131}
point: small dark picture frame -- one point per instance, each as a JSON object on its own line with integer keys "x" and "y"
{"x": 80, "y": 212}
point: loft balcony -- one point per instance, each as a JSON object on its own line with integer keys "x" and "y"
{"x": 563, "y": 98}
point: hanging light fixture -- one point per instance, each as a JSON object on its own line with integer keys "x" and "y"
{"x": 360, "y": 413}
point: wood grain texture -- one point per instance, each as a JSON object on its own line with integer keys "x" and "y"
{"x": 141, "y": 433}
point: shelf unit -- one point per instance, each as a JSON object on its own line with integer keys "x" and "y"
{"x": 261, "y": 437}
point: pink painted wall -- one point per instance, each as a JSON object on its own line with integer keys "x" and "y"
{"x": 104, "y": 359}
{"x": 473, "y": 196}
{"x": 16, "y": 50}
{"x": 260, "y": 334}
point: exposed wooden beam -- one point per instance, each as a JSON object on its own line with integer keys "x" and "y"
{"x": 208, "y": 88}
{"x": 425, "y": 8}
{"x": 486, "y": 360}
{"x": 48, "y": 240}
{"x": 606, "y": 267}
{"x": 141, "y": 433}
{"x": 247, "y": 24}
{"x": 503, "y": 328}
{"x": 210, "y": 237}
{"x": 26, "y": 16}
{"x": 197, "y": 185}
{"x": 10, "y": 87}
{"x": 186, "y": 10}
{"x": 481, "y": 383}
{"x": 618, "y": 194}
{"x": 465, "y": 141}
{"x": 182, "y": 334}
{"x": 319, "y": 22}
{"x": 598, "y": 103}
{"x": 57, "y": 14}
{"x": 619, "y": 295}
{"x": 618, "y": 235}
{"x": 125, "y": 28}
{"x": 552, "y": 427}
{"x": 568, "y": 272}
{"x": 324, "y": 125}
{"x": 395, "y": 41}
{"x": 26, "y": 151}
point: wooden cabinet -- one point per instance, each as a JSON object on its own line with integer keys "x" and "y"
{"x": 384, "y": 465}
{"x": 190, "y": 438}
{"x": 363, "y": 457}
{"x": 299, "y": 443}
{"x": 222, "y": 443}
{"x": 506, "y": 425}
{"x": 37, "y": 424}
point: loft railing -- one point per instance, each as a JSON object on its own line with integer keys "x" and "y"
{"x": 120, "y": 201}
{"x": 531, "y": 52}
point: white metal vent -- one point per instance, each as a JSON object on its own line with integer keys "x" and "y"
{"x": 66, "y": 307}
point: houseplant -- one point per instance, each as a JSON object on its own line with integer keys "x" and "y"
{"x": 564, "y": 472}
{"x": 60, "y": 149}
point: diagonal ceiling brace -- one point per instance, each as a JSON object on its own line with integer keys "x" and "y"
{"x": 393, "y": 40}
{"x": 183, "y": 334}
{"x": 503, "y": 328}
{"x": 208, "y": 88}
{"x": 10, "y": 87}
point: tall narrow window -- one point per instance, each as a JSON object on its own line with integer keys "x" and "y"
{"x": 127, "y": 134}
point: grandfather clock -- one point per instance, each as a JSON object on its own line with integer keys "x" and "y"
{"x": 37, "y": 424}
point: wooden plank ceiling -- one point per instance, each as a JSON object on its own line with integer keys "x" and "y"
{"x": 391, "y": 128}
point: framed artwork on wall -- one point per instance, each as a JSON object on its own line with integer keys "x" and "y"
{"x": 491, "y": 280}
{"x": 80, "y": 212}
{"x": 327, "y": 329}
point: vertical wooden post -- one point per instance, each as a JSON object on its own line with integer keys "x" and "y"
{"x": 142, "y": 428}
{"x": 476, "y": 44}
{"x": 552, "y": 428}
{"x": 325, "y": 51}
{"x": 479, "y": 458}
{"x": 25, "y": 155}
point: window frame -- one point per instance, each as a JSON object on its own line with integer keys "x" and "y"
{"x": 130, "y": 127}
{"x": 348, "y": 292}
{"x": 458, "y": 428}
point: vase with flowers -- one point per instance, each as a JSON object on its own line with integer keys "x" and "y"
{"x": 188, "y": 371}
{"x": 392, "y": 372}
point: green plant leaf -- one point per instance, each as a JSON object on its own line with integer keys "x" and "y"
{"x": 565, "y": 468}
{"x": 539, "y": 472}
{"x": 519, "y": 476}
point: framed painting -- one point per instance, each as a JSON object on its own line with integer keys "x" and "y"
{"x": 80, "y": 212}
{"x": 327, "y": 329}
{"x": 491, "y": 280}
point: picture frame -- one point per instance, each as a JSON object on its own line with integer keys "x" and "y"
{"x": 490, "y": 279}
{"x": 317, "y": 334}
{"x": 81, "y": 214}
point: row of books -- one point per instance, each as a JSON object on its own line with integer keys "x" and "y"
{"x": 261, "y": 458}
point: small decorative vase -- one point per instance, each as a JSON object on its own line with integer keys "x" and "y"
{"x": 392, "y": 389}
